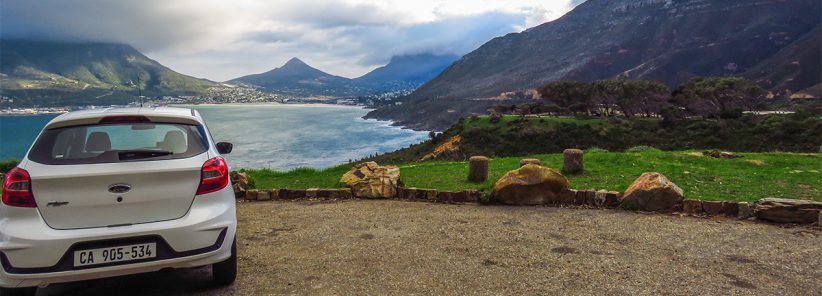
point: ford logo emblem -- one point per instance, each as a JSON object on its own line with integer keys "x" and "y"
{"x": 119, "y": 188}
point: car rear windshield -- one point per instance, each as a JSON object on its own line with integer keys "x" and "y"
{"x": 121, "y": 142}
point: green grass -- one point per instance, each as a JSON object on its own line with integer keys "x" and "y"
{"x": 300, "y": 178}
{"x": 752, "y": 177}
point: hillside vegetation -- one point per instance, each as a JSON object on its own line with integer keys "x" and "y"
{"x": 523, "y": 135}
{"x": 749, "y": 178}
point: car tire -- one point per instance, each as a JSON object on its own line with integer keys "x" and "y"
{"x": 30, "y": 291}
{"x": 224, "y": 273}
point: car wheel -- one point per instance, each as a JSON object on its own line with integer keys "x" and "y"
{"x": 224, "y": 273}
{"x": 30, "y": 291}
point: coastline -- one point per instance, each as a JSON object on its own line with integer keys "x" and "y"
{"x": 319, "y": 105}
{"x": 383, "y": 122}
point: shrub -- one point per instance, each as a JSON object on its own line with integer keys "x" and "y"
{"x": 7, "y": 165}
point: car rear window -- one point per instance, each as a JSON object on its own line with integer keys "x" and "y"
{"x": 120, "y": 142}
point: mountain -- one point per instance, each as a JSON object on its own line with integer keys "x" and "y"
{"x": 795, "y": 67}
{"x": 406, "y": 72}
{"x": 299, "y": 79}
{"x": 665, "y": 40}
{"x": 49, "y": 73}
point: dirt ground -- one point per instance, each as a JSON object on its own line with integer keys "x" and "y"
{"x": 399, "y": 248}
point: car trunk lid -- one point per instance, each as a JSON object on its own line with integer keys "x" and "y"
{"x": 115, "y": 194}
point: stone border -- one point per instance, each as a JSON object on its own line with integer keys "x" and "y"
{"x": 295, "y": 194}
{"x": 790, "y": 213}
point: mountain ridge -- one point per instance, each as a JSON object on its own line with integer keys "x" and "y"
{"x": 52, "y": 73}
{"x": 295, "y": 77}
{"x": 663, "y": 40}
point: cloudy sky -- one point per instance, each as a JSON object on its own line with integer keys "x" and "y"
{"x": 221, "y": 40}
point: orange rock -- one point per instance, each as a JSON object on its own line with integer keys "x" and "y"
{"x": 652, "y": 192}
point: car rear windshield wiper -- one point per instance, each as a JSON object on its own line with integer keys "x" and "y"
{"x": 140, "y": 154}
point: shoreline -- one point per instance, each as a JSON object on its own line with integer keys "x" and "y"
{"x": 269, "y": 104}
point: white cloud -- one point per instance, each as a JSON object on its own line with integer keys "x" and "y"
{"x": 221, "y": 40}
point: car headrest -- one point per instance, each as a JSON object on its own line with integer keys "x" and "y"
{"x": 98, "y": 142}
{"x": 175, "y": 141}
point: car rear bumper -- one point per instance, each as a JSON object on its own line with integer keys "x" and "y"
{"x": 33, "y": 254}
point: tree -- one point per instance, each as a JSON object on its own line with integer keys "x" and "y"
{"x": 718, "y": 96}
{"x": 572, "y": 95}
{"x": 631, "y": 97}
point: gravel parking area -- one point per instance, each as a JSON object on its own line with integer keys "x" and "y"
{"x": 398, "y": 247}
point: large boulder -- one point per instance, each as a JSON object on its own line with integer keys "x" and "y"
{"x": 240, "y": 181}
{"x": 530, "y": 185}
{"x": 370, "y": 180}
{"x": 782, "y": 210}
{"x": 652, "y": 192}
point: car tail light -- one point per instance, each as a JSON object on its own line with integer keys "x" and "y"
{"x": 214, "y": 176}
{"x": 124, "y": 119}
{"x": 17, "y": 189}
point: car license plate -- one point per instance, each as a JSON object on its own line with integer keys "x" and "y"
{"x": 115, "y": 254}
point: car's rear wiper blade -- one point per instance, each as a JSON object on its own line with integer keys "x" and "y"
{"x": 138, "y": 154}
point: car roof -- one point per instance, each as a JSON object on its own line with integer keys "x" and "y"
{"x": 156, "y": 114}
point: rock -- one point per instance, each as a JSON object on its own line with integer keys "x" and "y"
{"x": 612, "y": 199}
{"x": 589, "y": 197}
{"x": 370, "y": 180}
{"x": 402, "y": 192}
{"x": 473, "y": 196}
{"x": 719, "y": 154}
{"x": 692, "y": 207}
{"x": 712, "y": 208}
{"x": 599, "y": 198}
{"x": 444, "y": 196}
{"x": 239, "y": 181}
{"x": 478, "y": 169}
{"x": 745, "y": 210}
{"x": 292, "y": 194}
{"x": 311, "y": 192}
{"x": 567, "y": 197}
{"x": 459, "y": 197}
{"x": 530, "y": 185}
{"x": 275, "y": 194}
{"x": 730, "y": 208}
{"x": 251, "y": 194}
{"x": 535, "y": 161}
{"x": 652, "y": 192}
{"x": 579, "y": 198}
{"x": 327, "y": 193}
{"x": 345, "y": 193}
{"x": 430, "y": 195}
{"x": 263, "y": 195}
{"x": 782, "y": 210}
{"x": 572, "y": 161}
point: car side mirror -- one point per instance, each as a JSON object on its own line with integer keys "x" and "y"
{"x": 225, "y": 147}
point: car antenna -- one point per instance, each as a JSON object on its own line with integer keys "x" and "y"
{"x": 139, "y": 90}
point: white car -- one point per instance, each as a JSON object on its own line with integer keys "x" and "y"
{"x": 111, "y": 192}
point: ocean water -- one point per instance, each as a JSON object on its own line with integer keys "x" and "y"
{"x": 18, "y": 132}
{"x": 279, "y": 137}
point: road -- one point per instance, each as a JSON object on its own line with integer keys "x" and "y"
{"x": 398, "y": 247}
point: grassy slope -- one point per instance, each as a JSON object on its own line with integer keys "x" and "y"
{"x": 515, "y": 136}
{"x": 755, "y": 176}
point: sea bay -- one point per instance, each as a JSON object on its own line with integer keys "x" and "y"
{"x": 275, "y": 136}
